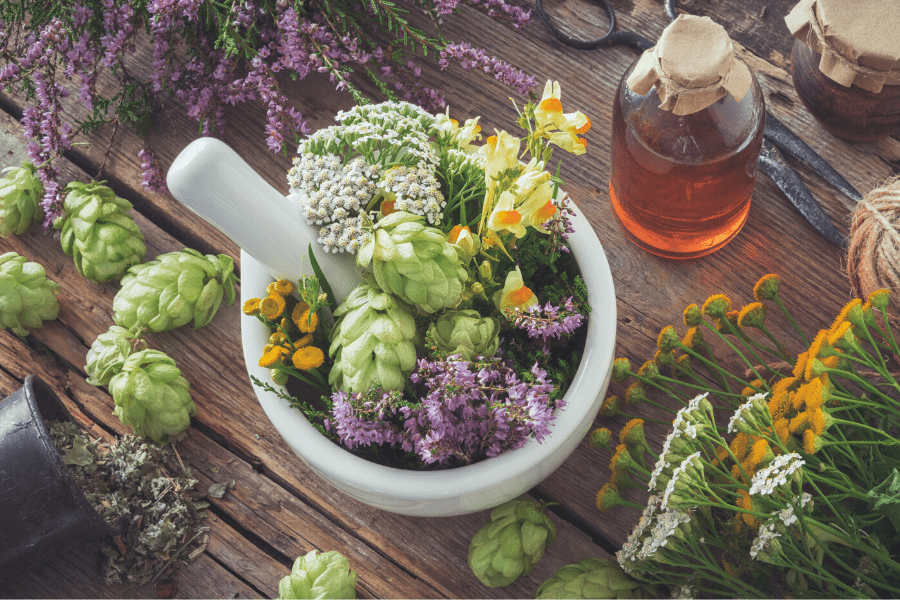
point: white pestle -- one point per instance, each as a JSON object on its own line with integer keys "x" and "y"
{"x": 213, "y": 181}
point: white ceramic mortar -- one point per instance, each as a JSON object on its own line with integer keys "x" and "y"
{"x": 211, "y": 179}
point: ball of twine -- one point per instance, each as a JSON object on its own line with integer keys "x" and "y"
{"x": 873, "y": 261}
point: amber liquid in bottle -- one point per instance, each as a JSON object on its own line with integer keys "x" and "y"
{"x": 680, "y": 186}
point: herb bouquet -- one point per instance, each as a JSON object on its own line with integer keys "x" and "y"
{"x": 780, "y": 481}
{"x": 463, "y": 333}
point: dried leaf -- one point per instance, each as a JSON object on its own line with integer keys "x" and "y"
{"x": 217, "y": 490}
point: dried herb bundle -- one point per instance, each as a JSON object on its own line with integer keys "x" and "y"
{"x": 141, "y": 488}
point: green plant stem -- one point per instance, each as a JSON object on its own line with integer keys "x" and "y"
{"x": 790, "y": 318}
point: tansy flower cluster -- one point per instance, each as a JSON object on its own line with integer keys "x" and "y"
{"x": 294, "y": 326}
{"x": 783, "y": 483}
{"x": 463, "y": 334}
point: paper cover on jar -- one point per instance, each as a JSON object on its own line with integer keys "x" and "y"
{"x": 858, "y": 41}
{"x": 692, "y": 66}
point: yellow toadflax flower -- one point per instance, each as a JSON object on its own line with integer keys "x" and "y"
{"x": 505, "y": 217}
{"x": 307, "y": 358}
{"x": 462, "y": 236}
{"x": 515, "y": 294}
{"x": 548, "y": 115}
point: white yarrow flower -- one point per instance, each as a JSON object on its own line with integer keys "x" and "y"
{"x": 766, "y": 535}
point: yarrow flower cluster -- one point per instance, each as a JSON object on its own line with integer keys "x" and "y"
{"x": 379, "y": 157}
{"x": 209, "y": 55}
{"x": 656, "y": 527}
{"x": 776, "y": 474}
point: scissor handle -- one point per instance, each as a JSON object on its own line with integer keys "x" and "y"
{"x": 612, "y": 37}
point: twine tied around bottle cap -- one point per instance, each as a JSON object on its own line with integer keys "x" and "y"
{"x": 692, "y": 66}
{"x": 858, "y": 41}
{"x": 873, "y": 257}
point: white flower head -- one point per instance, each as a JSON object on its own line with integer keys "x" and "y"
{"x": 742, "y": 414}
{"x": 763, "y": 539}
{"x": 776, "y": 474}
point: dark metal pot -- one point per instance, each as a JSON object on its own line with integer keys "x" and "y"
{"x": 42, "y": 509}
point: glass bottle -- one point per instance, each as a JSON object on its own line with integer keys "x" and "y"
{"x": 851, "y": 113}
{"x": 680, "y": 185}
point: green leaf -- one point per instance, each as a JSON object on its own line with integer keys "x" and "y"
{"x": 884, "y": 498}
{"x": 323, "y": 281}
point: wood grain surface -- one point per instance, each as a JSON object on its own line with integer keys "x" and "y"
{"x": 278, "y": 508}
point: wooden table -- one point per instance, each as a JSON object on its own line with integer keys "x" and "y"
{"x": 279, "y": 509}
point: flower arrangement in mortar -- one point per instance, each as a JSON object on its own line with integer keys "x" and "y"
{"x": 461, "y": 338}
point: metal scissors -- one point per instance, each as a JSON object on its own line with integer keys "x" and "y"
{"x": 777, "y": 137}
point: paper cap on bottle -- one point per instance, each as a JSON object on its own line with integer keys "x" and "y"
{"x": 858, "y": 39}
{"x": 692, "y": 66}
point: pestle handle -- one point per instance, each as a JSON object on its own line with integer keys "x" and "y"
{"x": 214, "y": 182}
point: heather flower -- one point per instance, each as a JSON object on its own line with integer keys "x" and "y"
{"x": 466, "y": 412}
{"x": 548, "y": 321}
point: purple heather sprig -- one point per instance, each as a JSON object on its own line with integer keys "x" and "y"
{"x": 560, "y": 226}
{"x": 152, "y": 179}
{"x": 548, "y": 321}
{"x": 464, "y": 415}
{"x": 470, "y": 58}
{"x": 204, "y": 71}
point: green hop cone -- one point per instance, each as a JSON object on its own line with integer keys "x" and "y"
{"x": 464, "y": 332}
{"x": 20, "y": 199}
{"x": 315, "y": 575}
{"x": 511, "y": 543}
{"x": 415, "y": 262}
{"x": 591, "y": 578}
{"x": 373, "y": 342}
{"x": 108, "y": 353}
{"x": 152, "y": 397}
{"x": 27, "y": 297}
{"x": 98, "y": 232}
{"x": 174, "y": 289}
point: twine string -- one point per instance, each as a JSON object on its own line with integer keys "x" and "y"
{"x": 874, "y": 252}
